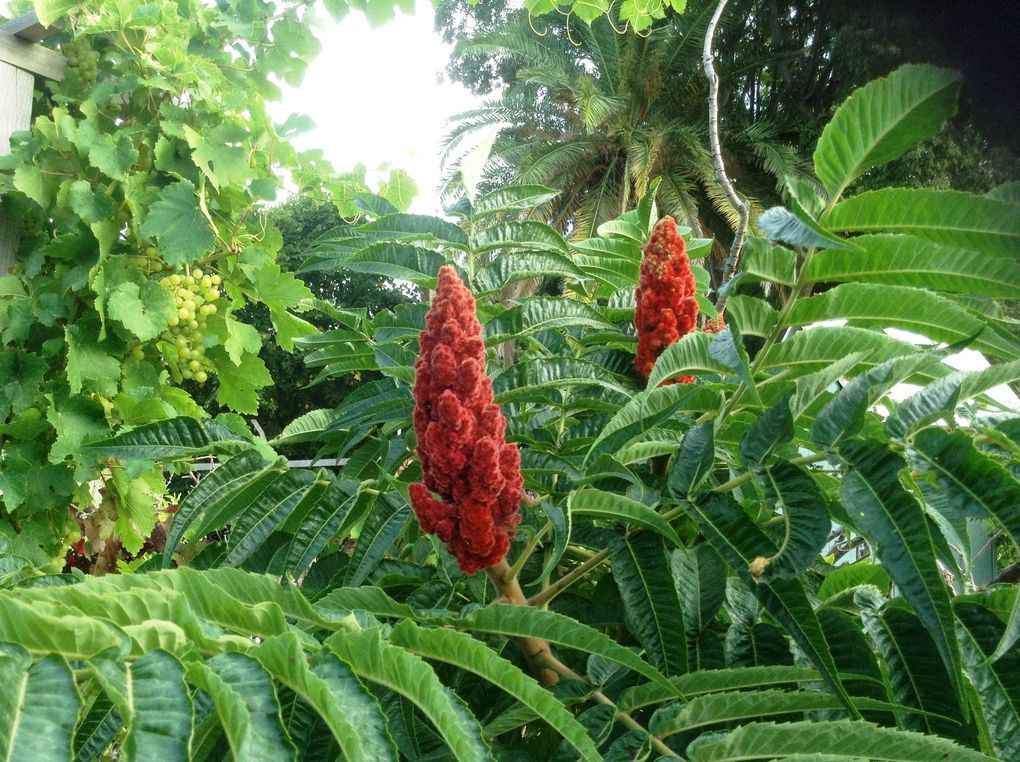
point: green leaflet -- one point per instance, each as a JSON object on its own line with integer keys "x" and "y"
{"x": 150, "y": 695}
{"x": 895, "y": 523}
{"x": 377, "y": 661}
{"x": 881, "y": 121}
{"x": 38, "y": 707}
{"x": 843, "y": 739}
{"x": 606, "y": 505}
{"x": 739, "y": 541}
{"x": 951, "y": 218}
{"x": 474, "y": 656}
{"x": 352, "y": 716}
{"x": 642, "y": 573}
{"x": 906, "y": 260}
{"x": 242, "y": 692}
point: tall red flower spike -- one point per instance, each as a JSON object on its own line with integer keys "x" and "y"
{"x": 666, "y": 304}
{"x": 465, "y": 459}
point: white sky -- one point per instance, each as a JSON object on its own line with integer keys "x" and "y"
{"x": 375, "y": 97}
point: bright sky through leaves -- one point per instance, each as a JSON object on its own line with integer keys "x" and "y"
{"x": 375, "y": 97}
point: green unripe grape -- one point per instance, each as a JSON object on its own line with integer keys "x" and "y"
{"x": 187, "y": 373}
{"x": 151, "y": 251}
{"x": 189, "y": 280}
{"x": 201, "y": 376}
{"x": 195, "y": 365}
{"x": 196, "y": 354}
{"x": 193, "y": 324}
{"x": 211, "y": 295}
{"x": 196, "y": 274}
{"x": 182, "y": 342}
{"x": 207, "y": 309}
{"x": 216, "y": 279}
{"x": 165, "y": 283}
{"x": 138, "y": 353}
{"x": 190, "y": 306}
{"x": 206, "y": 282}
{"x": 183, "y": 314}
{"x": 175, "y": 280}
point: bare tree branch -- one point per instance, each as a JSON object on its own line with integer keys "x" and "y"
{"x": 741, "y": 205}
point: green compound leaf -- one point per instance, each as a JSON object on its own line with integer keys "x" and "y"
{"x": 177, "y": 223}
{"x": 607, "y": 505}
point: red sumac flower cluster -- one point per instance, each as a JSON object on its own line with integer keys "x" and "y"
{"x": 465, "y": 459}
{"x": 666, "y": 305}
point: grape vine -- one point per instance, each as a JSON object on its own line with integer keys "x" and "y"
{"x": 195, "y": 295}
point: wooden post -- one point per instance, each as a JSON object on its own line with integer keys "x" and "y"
{"x": 21, "y": 61}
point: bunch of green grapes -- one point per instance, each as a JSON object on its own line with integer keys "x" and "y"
{"x": 195, "y": 296}
{"x": 82, "y": 61}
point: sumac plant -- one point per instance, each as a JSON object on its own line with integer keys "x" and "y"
{"x": 796, "y": 582}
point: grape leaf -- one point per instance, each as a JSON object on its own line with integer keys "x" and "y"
{"x": 239, "y": 384}
{"x": 177, "y": 223}
{"x": 144, "y": 310}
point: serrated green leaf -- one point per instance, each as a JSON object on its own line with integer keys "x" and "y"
{"x": 38, "y": 707}
{"x": 806, "y": 519}
{"x": 739, "y": 541}
{"x": 172, "y": 439}
{"x": 352, "y": 715}
{"x": 688, "y": 356}
{"x": 262, "y": 516}
{"x": 834, "y": 740}
{"x": 997, "y": 690}
{"x": 916, "y": 672}
{"x": 529, "y": 622}
{"x": 243, "y": 695}
{"x": 537, "y": 314}
{"x": 151, "y": 697}
{"x": 942, "y": 396}
{"x": 694, "y": 460}
{"x": 770, "y": 262}
{"x": 978, "y": 485}
{"x": 642, "y": 573}
{"x": 781, "y": 224}
{"x": 146, "y": 311}
{"x": 951, "y": 218}
{"x": 741, "y": 705}
{"x": 607, "y": 505}
{"x": 321, "y": 524}
{"x": 708, "y": 681}
{"x": 911, "y": 309}
{"x": 473, "y": 656}
{"x": 380, "y": 662}
{"x": 895, "y": 523}
{"x": 882, "y": 120}
{"x": 906, "y": 260}
{"x": 526, "y": 381}
{"x": 177, "y": 223}
{"x": 512, "y": 198}
{"x": 768, "y": 431}
{"x": 212, "y": 490}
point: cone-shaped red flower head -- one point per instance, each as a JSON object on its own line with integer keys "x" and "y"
{"x": 666, "y": 304}
{"x": 465, "y": 460}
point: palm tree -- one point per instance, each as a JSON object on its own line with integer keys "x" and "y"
{"x": 598, "y": 115}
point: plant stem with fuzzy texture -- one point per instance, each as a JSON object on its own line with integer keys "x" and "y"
{"x": 741, "y": 205}
{"x": 568, "y": 579}
{"x": 536, "y": 652}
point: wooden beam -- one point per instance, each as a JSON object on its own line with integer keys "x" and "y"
{"x": 31, "y": 57}
{"x": 15, "y": 114}
{"x": 27, "y": 27}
